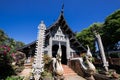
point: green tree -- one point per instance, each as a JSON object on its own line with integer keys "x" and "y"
{"x": 111, "y": 30}
{"x": 19, "y": 44}
{"x": 7, "y": 51}
{"x": 87, "y": 35}
{"x": 5, "y": 62}
{"x": 6, "y": 40}
{"x": 3, "y": 37}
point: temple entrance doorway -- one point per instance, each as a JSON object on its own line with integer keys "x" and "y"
{"x": 55, "y": 50}
{"x": 64, "y": 57}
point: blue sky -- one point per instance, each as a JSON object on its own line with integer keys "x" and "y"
{"x": 20, "y": 18}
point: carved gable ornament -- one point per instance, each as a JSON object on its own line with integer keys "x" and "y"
{"x": 59, "y": 35}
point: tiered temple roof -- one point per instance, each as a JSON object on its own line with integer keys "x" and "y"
{"x": 60, "y": 22}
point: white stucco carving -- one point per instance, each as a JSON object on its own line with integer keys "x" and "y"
{"x": 59, "y": 36}
{"x": 38, "y": 61}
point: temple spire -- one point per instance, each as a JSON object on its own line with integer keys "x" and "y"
{"x": 62, "y": 10}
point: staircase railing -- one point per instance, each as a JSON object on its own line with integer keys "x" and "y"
{"x": 75, "y": 64}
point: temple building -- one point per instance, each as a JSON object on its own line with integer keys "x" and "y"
{"x": 58, "y": 33}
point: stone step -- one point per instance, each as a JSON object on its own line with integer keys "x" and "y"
{"x": 28, "y": 66}
{"x": 69, "y": 74}
{"x": 68, "y": 71}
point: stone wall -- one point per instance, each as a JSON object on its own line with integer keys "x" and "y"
{"x": 75, "y": 65}
{"x": 112, "y": 61}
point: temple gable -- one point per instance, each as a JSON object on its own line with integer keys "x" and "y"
{"x": 59, "y": 35}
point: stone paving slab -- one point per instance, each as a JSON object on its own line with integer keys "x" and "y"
{"x": 25, "y": 72}
{"x": 76, "y": 77}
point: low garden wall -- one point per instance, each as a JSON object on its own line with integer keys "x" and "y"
{"x": 114, "y": 63}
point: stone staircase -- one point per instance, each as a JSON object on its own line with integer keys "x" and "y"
{"x": 69, "y": 74}
{"x": 68, "y": 71}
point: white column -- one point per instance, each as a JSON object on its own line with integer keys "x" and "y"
{"x": 50, "y": 47}
{"x": 68, "y": 48}
{"x": 105, "y": 63}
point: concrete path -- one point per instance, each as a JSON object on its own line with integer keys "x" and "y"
{"x": 26, "y": 71}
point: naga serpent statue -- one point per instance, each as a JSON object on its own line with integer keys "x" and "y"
{"x": 57, "y": 66}
{"x": 87, "y": 65}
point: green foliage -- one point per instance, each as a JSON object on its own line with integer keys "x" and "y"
{"x": 46, "y": 59}
{"x": 19, "y": 58}
{"x": 6, "y": 70}
{"x": 3, "y": 37}
{"x": 7, "y": 54}
{"x": 19, "y": 44}
{"x": 46, "y": 75}
{"x": 47, "y": 62}
{"x": 18, "y": 69}
{"x": 14, "y": 78}
{"x": 5, "y": 62}
{"x": 6, "y": 59}
{"x": 115, "y": 55}
{"x": 87, "y": 36}
{"x": 84, "y": 37}
{"x": 111, "y": 30}
{"x": 6, "y": 40}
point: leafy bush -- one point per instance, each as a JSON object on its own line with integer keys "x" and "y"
{"x": 6, "y": 61}
{"x": 7, "y": 56}
{"x": 14, "y": 78}
{"x": 115, "y": 55}
{"x": 46, "y": 59}
{"x": 18, "y": 69}
{"x": 19, "y": 58}
{"x": 47, "y": 62}
{"x": 46, "y": 75}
